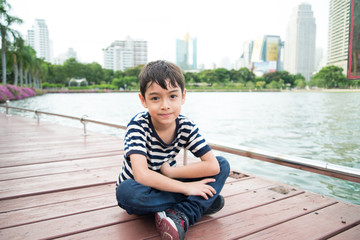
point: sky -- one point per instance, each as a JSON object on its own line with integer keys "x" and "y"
{"x": 220, "y": 26}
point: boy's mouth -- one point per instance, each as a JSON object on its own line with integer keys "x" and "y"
{"x": 166, "y": 115}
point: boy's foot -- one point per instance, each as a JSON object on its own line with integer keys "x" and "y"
{"x": 171, "y": 224}
{"x": 216, "y": 206}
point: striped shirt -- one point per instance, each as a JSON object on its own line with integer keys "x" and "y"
{"x": 141, "y": 138}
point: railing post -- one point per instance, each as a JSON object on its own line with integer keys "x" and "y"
{"x": 84, "y": 122}
{"x": 185, "y": 157}
{"x": 37, "y": 116}
{"x": 7, "y": 108}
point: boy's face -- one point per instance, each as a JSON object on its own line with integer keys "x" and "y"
{"x": 164, "y": 105}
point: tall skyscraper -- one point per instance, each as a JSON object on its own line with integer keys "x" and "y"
{"x": 121, "y": 55}
{"x": 186, "y": 53}
{"x": 38, "y": 39}
{"x": 300, "y": 42}
{"x": 339, "y": 17}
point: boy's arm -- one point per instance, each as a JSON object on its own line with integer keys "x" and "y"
{"x": 147, "y": 177}
{"x": 209, "y": 166}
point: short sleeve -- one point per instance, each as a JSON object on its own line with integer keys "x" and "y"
{"x": 196, "y": 143}
{"x": 135, "y": 140}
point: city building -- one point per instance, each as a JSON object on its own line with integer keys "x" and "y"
{"x": 186, "y": 53}
{"x": 300, "y": 43}
{"x": 248, "y": 47}
{"x": 339, "y": 17}
{"x": 70, "y": 53}
{"x": 38, "y": 39}
{"x": 266, "y": 55}
{"x": 121, "y": 55}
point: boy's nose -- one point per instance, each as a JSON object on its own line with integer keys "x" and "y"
{"x": 165, "y": 105}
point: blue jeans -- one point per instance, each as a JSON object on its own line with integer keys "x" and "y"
{"x": 138, "y": 199}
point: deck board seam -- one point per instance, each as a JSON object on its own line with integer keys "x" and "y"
{"x": 339, "y": 231}
{"x": 57, "y": 190}
{"x": 57, "y": 217}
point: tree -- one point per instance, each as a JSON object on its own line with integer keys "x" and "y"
{"x": 133, "y": 71}
{"x": 5, "y": 28}
{"x": 300, "y": 81}
{"x": 221, "y": 75}
{"x": 26, "y": 62}
{"x": 330, "y": 77}
{"x": 73, "y": 69}
{"x": 94, "y": 73}
{"x": 246, "y": 75}
{"x": 250, "y": 85}
{"x": 285, "y": 76}
{"x": 17, "y": 50}
{"x": 260, "y": 84}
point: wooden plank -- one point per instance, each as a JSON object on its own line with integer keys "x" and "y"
{"x": 42, "y": 169}
{"x": 46, "y": 145}
{"x": 350, "y": 234}
{"x": 64, "y": 181}
{"x": 48, "y": 199}
{"x": 16, "y": 160}
{"x": 329, "y": 221}
{"x": 256, "y": 219}
{"x": 252, "y": 184}
{"x": 56, "y": 210}
{"x": 65, "y": 225}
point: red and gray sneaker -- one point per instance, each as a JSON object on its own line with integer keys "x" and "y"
{"x": 171, "y": 224}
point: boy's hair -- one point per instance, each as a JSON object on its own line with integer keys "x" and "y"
{"x": 159, "y": 72}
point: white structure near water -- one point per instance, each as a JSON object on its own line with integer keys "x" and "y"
{"x": 121, "y": 55}
{"x": 300, "y": 42}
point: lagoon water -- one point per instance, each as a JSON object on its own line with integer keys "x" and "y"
{"x": 321, "y": 126}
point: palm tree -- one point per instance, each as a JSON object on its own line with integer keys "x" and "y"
{"x": 25, "y": 58}
{"x": 17, "y": 51}
{"x": 27, "y": 62}
{"x": 5, "y": 22}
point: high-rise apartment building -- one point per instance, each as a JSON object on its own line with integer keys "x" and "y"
{"x": 121, "y": 55}
{"x": 38, "y": 39}
{"x": 300, "y": 43}
{"x": 186, "y": 53}
{"x": 339, "y": 17}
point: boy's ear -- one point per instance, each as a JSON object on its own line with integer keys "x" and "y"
{"x": 183, "y": 96}
{"x": 142, "y": 99}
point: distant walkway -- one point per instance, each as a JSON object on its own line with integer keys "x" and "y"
{"x": 55, "y": 182}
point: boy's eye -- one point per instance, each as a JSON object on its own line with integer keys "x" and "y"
{"x": 173, "y": 96}
{"x": 155, "y": 98}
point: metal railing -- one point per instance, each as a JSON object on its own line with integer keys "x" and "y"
{"x": 320, "y": 167}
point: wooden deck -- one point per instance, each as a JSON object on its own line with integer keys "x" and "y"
{"x": 57, "y": 183}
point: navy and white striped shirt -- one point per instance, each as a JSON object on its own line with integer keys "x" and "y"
{"x": 141, "y": 138}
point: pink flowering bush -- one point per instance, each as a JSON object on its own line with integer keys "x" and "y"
{"x": 12, "y": 92}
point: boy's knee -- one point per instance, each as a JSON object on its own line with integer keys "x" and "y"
{"x": 123, "y": 192}
{"x": 224, "y": 164}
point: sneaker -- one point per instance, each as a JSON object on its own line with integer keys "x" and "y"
{"x": 171, "y": 224}
{"x": 216, "y": 206}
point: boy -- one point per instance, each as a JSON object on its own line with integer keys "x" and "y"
{"x": 149, "y": 181}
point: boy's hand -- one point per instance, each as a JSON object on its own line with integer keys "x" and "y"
{"x": 200, "y": 188}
